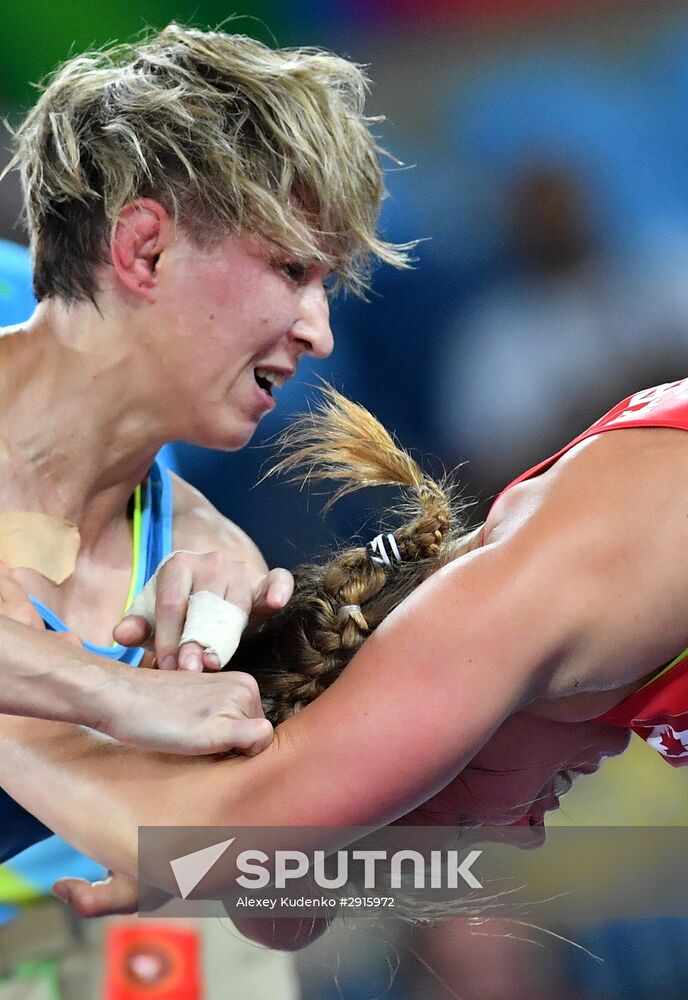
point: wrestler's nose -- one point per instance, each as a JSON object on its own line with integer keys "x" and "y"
{"x": 312, "y": 329}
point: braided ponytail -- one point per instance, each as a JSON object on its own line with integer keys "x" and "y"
{"x": 299, "y": 651}
{"x": 342, "y": 441}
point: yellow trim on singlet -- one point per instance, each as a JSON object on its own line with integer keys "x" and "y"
{"x": 15, "y": 889}
{"x": 136, "y": 553}
{"x": 665, "y": 670}
{"x": 136, "y": 542}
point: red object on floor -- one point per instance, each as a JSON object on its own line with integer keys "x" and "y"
{"x": 152, "y": 962}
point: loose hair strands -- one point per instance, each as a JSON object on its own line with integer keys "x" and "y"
{"x": 226, "y": 132}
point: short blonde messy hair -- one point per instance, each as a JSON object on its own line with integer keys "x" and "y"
{"x": 227, "y": 133}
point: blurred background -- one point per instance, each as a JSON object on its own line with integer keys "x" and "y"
{"x": 544, "y": 166}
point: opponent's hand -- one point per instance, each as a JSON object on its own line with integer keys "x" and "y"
{"x": 158, "y": 616}
{"x": 178, "y": 712}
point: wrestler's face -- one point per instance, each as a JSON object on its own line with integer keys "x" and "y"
{"x": 521, "y": 773}
{"x": 237, "y": 318}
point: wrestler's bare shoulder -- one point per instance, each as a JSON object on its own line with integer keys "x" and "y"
{"x": 631, "y": 462}
{"x": 609, "y": 521}
{"x": 199, "y": 526}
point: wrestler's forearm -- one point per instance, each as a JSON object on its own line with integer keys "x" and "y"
{"x": 395, "y": 728}
{"x": 43, "y": 677}
{"x": 470, "y": 647}
{"x": 94, "y": 791}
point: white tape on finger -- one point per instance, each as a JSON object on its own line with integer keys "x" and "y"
{"x": 214, "y": 624}
{"x": 144, "y": 602}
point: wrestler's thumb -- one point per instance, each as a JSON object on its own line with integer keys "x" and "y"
{"x": 117, "y": 894}
{"x": 250, "y": 736}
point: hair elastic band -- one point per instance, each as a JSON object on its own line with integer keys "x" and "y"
{"x": 380, "y": 555}
{"x": 348, "y": 611}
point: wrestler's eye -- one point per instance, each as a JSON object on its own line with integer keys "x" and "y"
{"x": 296, "y": 271}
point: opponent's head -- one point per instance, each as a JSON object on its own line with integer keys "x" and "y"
{"x": 295, "y": 655}
{"x": 227, "y": 134}
{"x": 299, "y": 651}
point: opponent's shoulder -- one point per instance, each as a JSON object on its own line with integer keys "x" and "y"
{"x": 625, "y": 465}
{"x": 602, "y": 532}
{"x": 200, "y": 526}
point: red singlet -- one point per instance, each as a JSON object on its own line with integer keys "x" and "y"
{"x": 658, "y": 711}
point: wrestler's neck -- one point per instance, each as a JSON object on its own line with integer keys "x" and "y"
{"x": 74, "y": 395}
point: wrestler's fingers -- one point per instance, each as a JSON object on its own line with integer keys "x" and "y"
{"x": 191, "y": 612}
{"x": 273, "y": 593}
{"x": 211, "y": 660}
{"x": 197, "y": 606}
{"x": 116, "y": 894}
{"x": 133, "y": 630}
{"x": 192, "y": 657}
{"x": 212, "y": 631}
{"x": 173, "y": 588}
{"x": 226, "y": 578}
{"x": 251, "y": 736}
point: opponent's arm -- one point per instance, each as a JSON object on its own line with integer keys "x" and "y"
{"x": 405, "y": 716}
{"x": 544, "y": 611}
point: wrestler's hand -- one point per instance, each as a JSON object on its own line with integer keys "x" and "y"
{"x": 158, "y": 616}
{"x": 115, "y": 894}
{"x": 119, "y": 894}
{"x": 176, "y": 713}
{"x": 16, "y": 604}
{"x": 183, "y": 713}
{"x": 14, "y": 601}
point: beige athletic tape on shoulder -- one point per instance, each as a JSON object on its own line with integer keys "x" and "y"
{"x": 32, "y": 540}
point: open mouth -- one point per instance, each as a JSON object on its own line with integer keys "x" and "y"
{"x": 268, "y": 380}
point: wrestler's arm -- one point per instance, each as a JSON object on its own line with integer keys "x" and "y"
{"x": 552, "y": 607}
{"x": 41, "y": 676}
{"x": 378, "y": 742}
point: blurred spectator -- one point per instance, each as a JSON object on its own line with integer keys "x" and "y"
{"x": 545, "y": 351}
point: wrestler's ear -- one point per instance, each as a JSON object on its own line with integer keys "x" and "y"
{"x": 142, "y": 232}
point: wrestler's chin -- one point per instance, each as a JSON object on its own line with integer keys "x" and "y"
{"x": 233, "y": 435}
